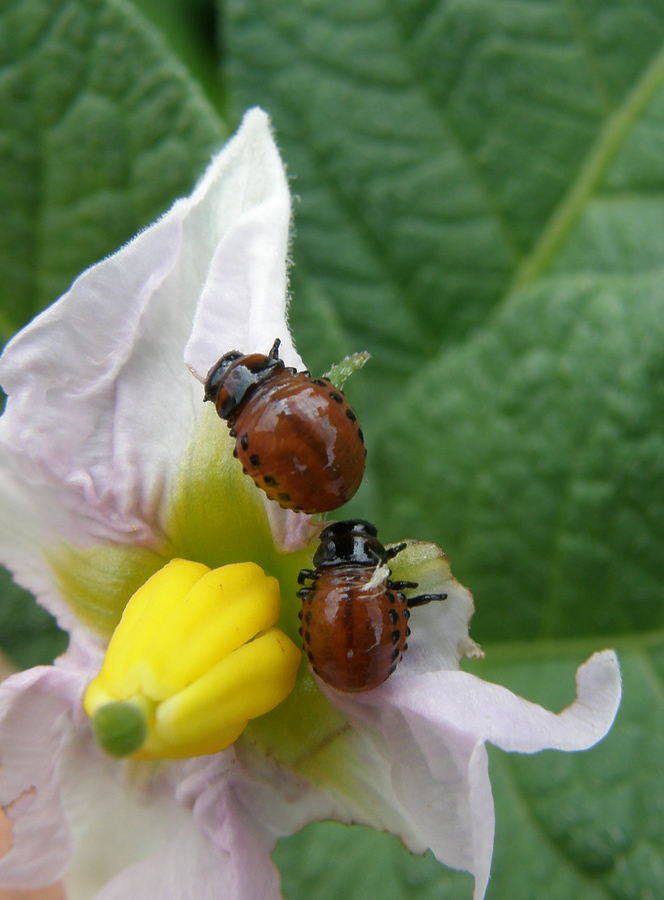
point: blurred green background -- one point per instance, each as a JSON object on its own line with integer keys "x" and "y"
{"x": 479, "y": 202}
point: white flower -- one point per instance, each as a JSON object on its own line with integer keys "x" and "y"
{"x": 111, "y": 466}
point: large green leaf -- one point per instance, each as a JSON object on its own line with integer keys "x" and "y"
{"x": 536, "y": 423}
{"x": 100, "y": 129}
{"x": 542, "y": 439}
{"x": 481, "y": 208}
{"x": 430, "y": 143}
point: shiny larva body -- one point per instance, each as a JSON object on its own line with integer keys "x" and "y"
{"x": 295, "y": 435}
{"x": 354, "y": 617}
{"x": 353, "y": 636}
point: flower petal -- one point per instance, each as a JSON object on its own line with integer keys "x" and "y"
{"x": 128, "y": 831}
{"x": 244, "y": 802}
{"x": 440, "y": 629}
{"x": 101, "y": 407}
{"x": 34, "y": 707}
{"x": 186, "y": 867}
{"x": 492, "y": 713}
{"x": 433, "y": 727}
{"x": 248, "y": 267}
{"x": 291, "y": 531}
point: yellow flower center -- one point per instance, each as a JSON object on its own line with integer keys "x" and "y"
{"x": 194, "y": 658}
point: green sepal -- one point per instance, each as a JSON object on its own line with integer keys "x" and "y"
{"x": 341, "y": 371}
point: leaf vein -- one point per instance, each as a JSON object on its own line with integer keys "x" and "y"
{"x": 609, "y": 140}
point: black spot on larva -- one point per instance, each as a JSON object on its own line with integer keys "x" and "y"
{"x": 391, "y": 597}
{"x": 232, "y": 432}
{"x": 351, "y": 415}
{"x": 406, "y": 614}
{"x": 244, "y": 470}
{"x": 307, "y": 637}
{"x": 337, "y": 397}
{"x": 319, "y": 382}
{"x": 270, "y": 480}
{"x": 360, "y": 434}
{"x": 394, "y": 616}
{"x": 396, "y": 636}
{"x": 408, "y": 631}
{"x": 299, "y": 615}
{"x": 392, "y": 670}
{"x": 255, "y": 461}
{"x": 299, "y": 631}
{"x": 285, "y": 498}
{"x": 296, "y": 508}
{"x": 244, "y": 441}
{"x": 235, "y": 452}
{"x": 395, "y": 655}
{"x": 307, "y": 618}
{"x": 310, "y": 656}
{"x": 405, "y": 646}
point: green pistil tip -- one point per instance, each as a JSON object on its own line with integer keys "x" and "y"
{"x": 120, "y": 728}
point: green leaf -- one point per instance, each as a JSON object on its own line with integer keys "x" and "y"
{"x": 191, "y": 30}
{"x": 100, "y": 129}
{"x": 552, "y": 412}
{"x": 429, "y": 143}
{"x": 506, "y": 155}
{"x": 481, "y": 208}
{"x": 28, "y": 634}
{"x": 328, "y": 861}
{"x": 542, "y": 439}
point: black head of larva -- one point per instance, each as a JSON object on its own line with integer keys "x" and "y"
{"x": 230, "y": 381}
{"x": 353, "y": 542}
{"x": 217, "y": 373}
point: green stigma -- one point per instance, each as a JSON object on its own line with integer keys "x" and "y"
{"x": 120, "y": 728}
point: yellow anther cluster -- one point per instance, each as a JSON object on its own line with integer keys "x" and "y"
{"x": 194, "y": 657}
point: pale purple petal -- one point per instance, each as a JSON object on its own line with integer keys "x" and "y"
{"x": 131, "y": 838}
{"x": 101, "y": 406}
{"x": 440, "y": 629}
{"x": 245, "y": 843}
{"x": 433, "y": 726}
{"x": 242, "y": 304}
{"x": 107, "y": 828}
{"x": 186, "y": 867}
{"x": 291, "y": 531}
{"x": 34, "y": 714}
{"x": 243, "y": 802}
{"x": 492, "y": 713}
{"x": 355, "y": 769}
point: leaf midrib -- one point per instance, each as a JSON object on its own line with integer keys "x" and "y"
{"x": 551, "y": 648}
{"x": 609, "y": 140}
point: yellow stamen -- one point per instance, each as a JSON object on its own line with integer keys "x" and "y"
{"x": 194, "y": 657}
